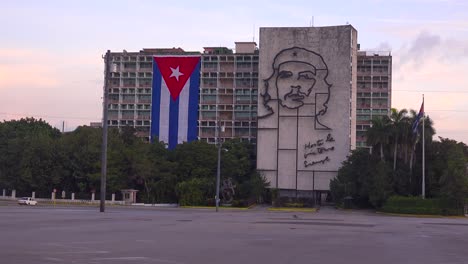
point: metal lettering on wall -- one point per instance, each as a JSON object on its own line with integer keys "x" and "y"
{"x": 314, "y": 151}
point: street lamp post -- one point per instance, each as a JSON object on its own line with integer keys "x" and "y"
{"x": 218, "y": 171}
{"x": 104, "y": 134}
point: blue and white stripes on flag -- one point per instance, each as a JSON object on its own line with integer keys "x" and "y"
{"x": 418, "y": 119}
{"x": 174, "y": 107}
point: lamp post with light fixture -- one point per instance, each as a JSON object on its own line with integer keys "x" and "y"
{"x": 219, "y": 129}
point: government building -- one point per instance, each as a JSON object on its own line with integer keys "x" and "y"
{"x": 305, "y": 96}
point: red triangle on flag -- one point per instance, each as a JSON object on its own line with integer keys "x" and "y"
{"x": 176, "y": 70}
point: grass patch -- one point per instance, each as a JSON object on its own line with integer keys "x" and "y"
{"x": 418, "y": 206}
{"x": 214, "y": 207}
{"x": 293, "y": 209}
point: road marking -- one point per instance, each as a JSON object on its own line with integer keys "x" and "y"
{"x": 140, "y": 258}
{"x": 121, "y": 258}
{"x": 54, "y": 259}
{"x": 84, "y": 252}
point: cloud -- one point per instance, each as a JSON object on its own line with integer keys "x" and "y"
{"x": 435, "y": 66}
{"x": 49, "y": 85}
{"x": 419, "y": 48}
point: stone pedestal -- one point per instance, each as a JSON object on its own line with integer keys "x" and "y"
{"x": 4, "y": 192}
{"x": 113, "y": 197}
{"x": 13, "y": 194}
{"x": 52, "y": 196}
{"x": 73, "y": 196}
{"x": 33, "y": 195}
{"x": 93, "y": 195}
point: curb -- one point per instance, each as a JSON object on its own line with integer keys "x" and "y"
{"x": 213, "y": 207}
{"x": 422, "y": 216}
{"x": 286, "y": 209}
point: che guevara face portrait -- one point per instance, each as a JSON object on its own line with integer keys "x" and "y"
{"x": 299, "y": 77}
{"x": 295, "y": 82}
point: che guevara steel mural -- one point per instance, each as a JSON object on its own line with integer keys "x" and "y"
{"x": 298, "y": 80}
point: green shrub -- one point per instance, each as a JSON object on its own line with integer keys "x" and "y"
{"x": 193, "y": 192}
{"x": 293, "y": 202}
{"x": 295, "y": 205}
{"x": 417, "y": 205}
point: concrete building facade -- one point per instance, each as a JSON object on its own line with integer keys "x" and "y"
{"x": 229, "y": 90}
{"x": 306, "y": 106}
{"x": 374, "y": 90}
{"x": 228, "y": 93}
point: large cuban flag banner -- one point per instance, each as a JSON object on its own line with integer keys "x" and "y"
{"x": 175, "y": 99}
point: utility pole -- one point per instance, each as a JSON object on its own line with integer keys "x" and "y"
{"x": 423, "y": 187}
{"x": 104, "y": 133}
{"x": 218, "y": 171}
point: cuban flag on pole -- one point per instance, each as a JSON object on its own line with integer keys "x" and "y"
{"x": 418, "y": 119}
{"x": 175, "y": 99}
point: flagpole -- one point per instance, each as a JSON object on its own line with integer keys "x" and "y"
{"x": 423, "y": 156}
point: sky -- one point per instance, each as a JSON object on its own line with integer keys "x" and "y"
{"x": 51, "y": 64}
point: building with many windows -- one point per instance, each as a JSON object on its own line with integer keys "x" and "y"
{"x": 374, "y": 90}
{"x": 228, "y": 93}
{"x": 229, "y": 90}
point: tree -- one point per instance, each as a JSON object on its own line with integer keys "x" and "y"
{"x": 81, "y": 159}
{"x": 354, "y": 179}
{"x": 454, "y": 179}
{"x": 381, "y": 187}
{"x": 27, "y": 162}
{"x": 398, "y": 121}
{"x": 379, "y": 133}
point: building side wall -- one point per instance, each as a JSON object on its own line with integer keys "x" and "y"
{"x": 228, "y": 97}
{"x": 307, "y": 144}
{"x": 374, "y": 91}
{"x": 129, "y": 102}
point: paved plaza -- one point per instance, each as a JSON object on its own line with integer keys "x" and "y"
{"x": 47, "y": 234}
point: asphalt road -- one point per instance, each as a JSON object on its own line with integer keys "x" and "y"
{"x": 175, "y": 236}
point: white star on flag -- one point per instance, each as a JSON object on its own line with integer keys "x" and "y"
{"x": 175, "y": 73}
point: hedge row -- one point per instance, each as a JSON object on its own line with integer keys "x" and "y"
{"x": 417, "y": 205}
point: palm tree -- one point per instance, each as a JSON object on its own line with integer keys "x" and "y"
{"x": 398, "y": 125}
{"x": 378, "y": 133}
{"x": 429, "y": 132}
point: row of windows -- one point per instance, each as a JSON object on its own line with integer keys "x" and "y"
{"x": 228, "y": 124}
{"x": 366, "y": 117}
{"x": 212, "y": 140}
{"x": 131, "y": 75}
{"x": 237, "y": 114}
{"x": 374, "y": 69}
{"x": 375, "y": 61}
{"x": 133, "y": 65}
{"x": 129, "y": 123}
{"x": 362, "y": 127}
{"x": 214, "y": 75}
{"x": 130, "y": 106}
{"x": 229, "y": 58}
{"x": 376, "y": 94}
{"x": 374, "y": 111}
{"x": 129, "y": 97}
{"x": 132, "y": 58}
{"x": 237, "y": 91}
{"x": 374, "y": 85}
{"x": 131, "y": 82}
{"x": 373, "y": 78}
{"x": 239, "y": 131}
{"x": 130, "y": 90}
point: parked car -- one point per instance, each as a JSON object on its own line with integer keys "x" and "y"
{"x": 27, "y": 201}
